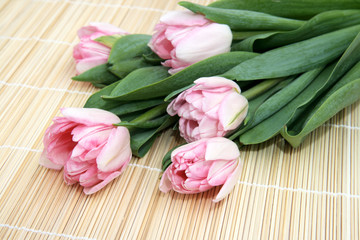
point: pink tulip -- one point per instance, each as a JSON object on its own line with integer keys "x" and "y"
{"x": 211, "y": 108}
{"x": 184, "y": 38}
{"x": 84, "y": 141}
{"x": 89, "y": 53}
{"x": 201, "y": 165}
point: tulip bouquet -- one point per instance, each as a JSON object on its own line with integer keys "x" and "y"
{"x": 225, "y": 75}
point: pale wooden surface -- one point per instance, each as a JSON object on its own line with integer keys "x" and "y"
{"x": 309, "y": 192}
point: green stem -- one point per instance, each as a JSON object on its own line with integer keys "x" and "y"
{"x": 260, "y": 88}
{"x": 151, "y": 114}
{"x": 245, "y": 34}
{"x": 146, "y": 119}
{"x": 147, "y": 124}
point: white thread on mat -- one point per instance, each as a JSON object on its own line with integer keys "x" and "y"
{"x": 239, "y": 182}
{"x": 20, "y": 148}
{"x": 104, "y": 5}
{"x": 146, "y": 167}
{"x": 43, "y": 232}
{"x": 37, "y": 39}
{"x": 342, "y": 126}
{"x": 299, "y": 190}
{"x": 43, "y": 88}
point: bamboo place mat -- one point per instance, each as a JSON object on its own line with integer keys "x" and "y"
{"x": 309, "y": 192}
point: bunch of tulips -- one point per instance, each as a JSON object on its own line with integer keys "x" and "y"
{"x": 225, "y": 75}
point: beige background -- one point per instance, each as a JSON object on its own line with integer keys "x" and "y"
{"x": 312, "y": 191}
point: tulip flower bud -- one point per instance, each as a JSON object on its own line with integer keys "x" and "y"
{"x": 184, "y": 38}
{"x": 211, "y": 108}
{"x": 92, "y": 151}
{"x": 90, "y": 53}
{"x": 201, "y": 165}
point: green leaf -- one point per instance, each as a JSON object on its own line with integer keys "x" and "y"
{"x": 118, "y": 108}
{"x": 136, "y": 80}
{"x": 129, "y": 46}
{"x": 141, "y": 141}
{"x": 108, "y": 41}
{"x": 96, "y": 101}
{"x": 331, "y": 104}
{"x": 123, "y": 68}
{"x": 148, "y": 124}
{"x": 342, "y": 94}
{"x": 295, "y": 58}
{"x": 260, "y": 88}
{"x": 206, "y": 68}
{"x": 134, "y": 106}
{"x": 152, "y": 113}
{"x": 302, "y": 108}
{"x": 318, "y": 25}
{"x": 243, "y": 19}
{"x": 298, "y": 9}
{"x": 244, "y": 35}
{"x": 267, "y": 123}
{"x": 98, "y": 75}
{"x": 152, "y": 58}
{"x": 254, "y": 104}
{"x": 176, "y": 92}
{"x": 127, "y": 54}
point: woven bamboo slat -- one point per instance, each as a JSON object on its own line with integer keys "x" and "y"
{"x": 309, "y": 192}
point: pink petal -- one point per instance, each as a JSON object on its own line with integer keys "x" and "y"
{"x": 94, "y": 189}
{"x": 85, "y": 64}
{"x": 216, "y": 82}
{"x": 175, "y": 104}
{"x": 172, "y": 71}
{"x": 160, "y": 44}
{"x": 165, "y": 183}
{"x": 211, "y": 100}
{"x": 89, "y": 48}
{"x": 220, "y": 171}
{"x": 75, "y": 168}
{"x": 82, "y": 131}
{"x": 89, "y": 178}
{"x": 204, "y": 42}
{"x": 70, "y": 179}
{"x": 198, "y": 170}
{"x": 196, "y": 115}
{"x": 192, "y": 185}
{"x": 105, "y": 28}
{"x": 93, "y": 153}
{"x": 44, "y": 161}
{"x": 205, "y": 186}
{"x": 221, "y": 148}
{"x": 208, "y": 127}
{"x": 233, "y": 111}
{"x": 183, "y": 18}
{"x": 230, "y": 183}
{"x": 184, "y": 110}
{"x": 78, "y": 151}
{"x": 188, "y": 147}
{"x": 175, "y": 34}
{"x": 60, "y": 148}
{"x": 94, "y": 140}
{"x": 193, "y": 95}
{"x": 191, "y": 131}
{"x": 90, "y": 116}
{"x": 117, "y": 152}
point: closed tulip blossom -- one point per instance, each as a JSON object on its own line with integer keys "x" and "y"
{"x": 90, "y": 53}
{"x": 211, "y": 108}
{"x": 183, "y": 38}
{"x": 201, "y": 165}
{"x": 88, "y": 146}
